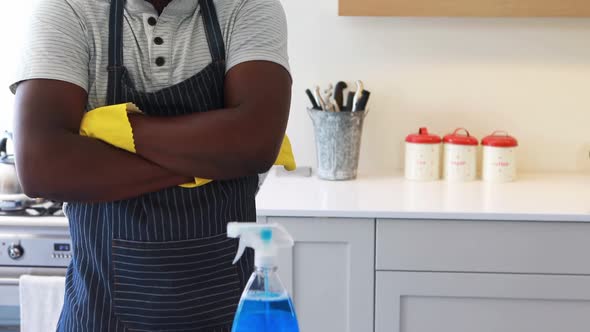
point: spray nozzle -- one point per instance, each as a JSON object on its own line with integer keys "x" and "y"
{"x": 265, "y": 239}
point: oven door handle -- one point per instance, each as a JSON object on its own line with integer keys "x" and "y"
{"x": 9, "y": 282}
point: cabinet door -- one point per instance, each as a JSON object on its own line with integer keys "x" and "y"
{"x": 468, "y": 302}
{"x": 330, "y": 273}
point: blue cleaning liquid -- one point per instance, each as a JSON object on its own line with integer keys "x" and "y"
{"x": 265, "y": 313}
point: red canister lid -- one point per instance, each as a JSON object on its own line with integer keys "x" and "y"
{"x": 423, "y": 137}
{"x": 460, "y": 139}
{"x": 500, "y": 139}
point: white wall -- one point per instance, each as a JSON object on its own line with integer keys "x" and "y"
{"x": 13, "y": 25}
{"x": 530, "y": 77}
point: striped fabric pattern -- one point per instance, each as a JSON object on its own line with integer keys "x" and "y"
{"x": 68, "y": 40}
{"x": 161, "y": 261}
{"x": 181, "y": 285}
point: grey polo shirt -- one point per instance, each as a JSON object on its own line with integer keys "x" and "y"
{"x": 68, "y": 41}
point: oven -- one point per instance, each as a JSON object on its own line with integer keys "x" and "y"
{"x": 38, "y": 246}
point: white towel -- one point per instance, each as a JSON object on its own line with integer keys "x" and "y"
{"x": 41, "y": 301}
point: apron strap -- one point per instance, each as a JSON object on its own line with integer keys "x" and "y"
{"x": 115, "y": 68}
{"x": 213, "y": 30}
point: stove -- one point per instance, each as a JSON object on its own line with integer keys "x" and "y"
{"x": 42, "y": 209}
{"x": 33, "y": 241}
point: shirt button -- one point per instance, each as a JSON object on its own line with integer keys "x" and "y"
{"x": 152, "y": 21}
{"x": 158, "y": 41}
{"x": 160, "y": 61}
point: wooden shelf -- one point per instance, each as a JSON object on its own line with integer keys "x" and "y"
{"x": 466, "y": 8}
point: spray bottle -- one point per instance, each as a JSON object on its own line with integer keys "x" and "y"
{"x": 265, "y": 305}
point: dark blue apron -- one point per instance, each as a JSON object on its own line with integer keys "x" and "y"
{"x": 161, "y": 261}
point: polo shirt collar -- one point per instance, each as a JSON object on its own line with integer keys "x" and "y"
{"x": 175, "y": 7}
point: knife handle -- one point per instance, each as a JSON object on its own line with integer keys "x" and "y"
{"x": 314, "y": 103}
{"x": 339, "y": 93}
{"x": 361, "y": 105}
{"x": 349, "y": 101}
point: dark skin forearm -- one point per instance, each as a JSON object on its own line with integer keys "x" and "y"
{"x": 54, "y": 162}
{"x": 242, "y": 139}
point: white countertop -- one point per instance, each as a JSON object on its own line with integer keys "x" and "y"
{"x": 534, "y": 197}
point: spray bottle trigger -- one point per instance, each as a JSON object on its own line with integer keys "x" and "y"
{"x": 241, "y": 248}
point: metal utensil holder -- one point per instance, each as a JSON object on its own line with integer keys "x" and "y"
{"x": 338, "y": 143}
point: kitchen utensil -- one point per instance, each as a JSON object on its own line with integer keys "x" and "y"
{"x": 328, "y": 99}
{"x": 460, "y": 156}
{"x": 328, "y": 93}
{"x": 422, "y": 156}
{"x": 339, "y": 94}
{"x": 499, "y": 157}
{"x": 357, "y": 95}
{"x": 319, "y": 99}
{"x": 334, "y": 105}
{"x": 314, "y": 103}
{"x": 361, "y": 104}
{"x": 349, "y": 101}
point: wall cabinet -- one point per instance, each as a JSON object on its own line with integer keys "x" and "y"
{"x": 473, "y": 8}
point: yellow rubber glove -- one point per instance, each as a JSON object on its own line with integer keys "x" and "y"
{"x": 285, "y": 159}
{"x": 110, "y": 124}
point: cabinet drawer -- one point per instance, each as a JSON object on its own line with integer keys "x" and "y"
{"x": 483, "y": 246}
{"x": 482, "y": 302}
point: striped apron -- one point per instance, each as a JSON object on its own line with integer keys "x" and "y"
{"x": 161, "y": 261}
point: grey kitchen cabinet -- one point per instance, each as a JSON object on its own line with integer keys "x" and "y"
{"x": 395, "y": 275}
{"x": 526, "y": 247}
{"x": 482, "y": 302}
{"x": 484, "y": 276}
{"x": 330, "y": 272}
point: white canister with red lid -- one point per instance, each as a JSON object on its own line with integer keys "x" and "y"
{"x": 460, "y": 156}
{"x": 423, "y": 156}
{"x": 499, "y": 157}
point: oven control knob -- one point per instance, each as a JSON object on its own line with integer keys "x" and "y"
{"x": 15, "y": 251}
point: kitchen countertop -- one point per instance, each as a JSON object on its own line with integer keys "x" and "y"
{"x": 534, "y": 197}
